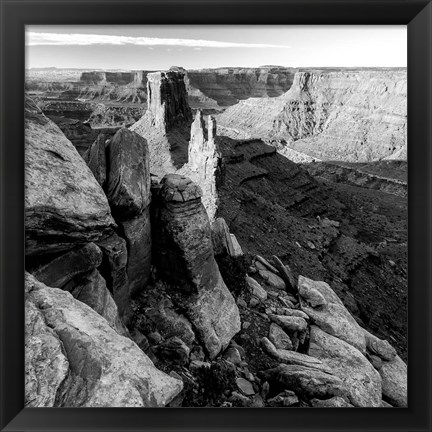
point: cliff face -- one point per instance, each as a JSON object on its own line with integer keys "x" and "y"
{"x": 214, "y": 87}
{"x": 229, "y": 85}
{"x": 167, "y": 104}
{"x": 204, "y": 165}
{"x": 165, "y": 125}
{"x": 178, "y": 144}
{"x": 350, "y": 116}
{"x": 95, "y": 86}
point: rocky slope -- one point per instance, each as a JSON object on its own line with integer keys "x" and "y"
{"x": 339, "y": 116}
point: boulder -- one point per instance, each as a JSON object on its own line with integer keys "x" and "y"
{"x": 286, "y": 274}
{"x": 245, "y": 386}
{"x": 305, "y": 382}
{"x": 174, "y": 350}
{"x": 237, "y": 250}
{"x": 379, "y": 347}
{"x": 83, "y": 361}
{"x": 256, "y": 289}
{"x": 128, "y": 176}
{"x": 222, "y": 241}
{"x": 272, "y": 279}
{"x": 284, "y": 399}
{"x": 214, "y": 315}
{"x": 232, "y": 355}
{"x": 394, "y": 376}
{"x": 260, "y": 261}
{"x": 327, "y": 311}
{"x": 138, "y": 237}
{"x": 90, "y": 288}
{"x": 64, "y": 204}
{"x": 164, "y": 317}
{"x": 350, "y": 365}
{"x": 335, "y": 402}
{"x": 292, "y": 357}
{"x": 182, "y": 235}
{"x": 293, "y": 312}
{"x": 114, "y": 271}
{"x": 279, "y": 338}
{"x": 95, "y": 157}
{"x": 291, "y": 324}
{"x": 58, "y": 272}
{"x": 46, "y": 365}
{"x": 375, "y": 361}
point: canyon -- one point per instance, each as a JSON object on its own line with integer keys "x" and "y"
{"x": 238, "y": 236}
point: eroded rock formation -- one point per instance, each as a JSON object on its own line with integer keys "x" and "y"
{"x": 64, "y": 203}
{"x": 165, "y": 124}
{"x": 204, "y": 165}
{"x": 184, "y": 257}
{"x": 178, "y": 145}
{"x": 122, "y": 166}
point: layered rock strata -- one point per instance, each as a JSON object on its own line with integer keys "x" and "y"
{"x": 352, "y": 116}
{"x": 184, "y": 257}
{"x": 64, "y": 203}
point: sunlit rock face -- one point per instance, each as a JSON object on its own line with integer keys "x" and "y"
{"x": 167, "y": 99}
{"x": 227, "y": 86}
{"x": 177, "y": 142}
{"x": 205, "y": 162}
{"x": 166, "y": 123}
{"x": 352, "y": 116}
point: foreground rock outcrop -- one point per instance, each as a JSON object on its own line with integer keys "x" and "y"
{"x": 64, "y": 203}
{"x": 122, "y": 167}
{"x": 75, "y": 359}
{"x": 184, "y": 257}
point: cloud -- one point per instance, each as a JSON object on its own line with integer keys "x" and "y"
{"x": 61, "y": 39}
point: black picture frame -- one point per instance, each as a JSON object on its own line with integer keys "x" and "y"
{"x": 15, "y": 14}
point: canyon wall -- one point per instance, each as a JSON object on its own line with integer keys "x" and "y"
{"x": 76, "y": 93}
{"x": 229, "y": 85}
{"x": 97, "y": 86}
{"x": 353, "y": 116}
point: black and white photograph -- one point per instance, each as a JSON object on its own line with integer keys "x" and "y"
{"x": 216, "y": 216}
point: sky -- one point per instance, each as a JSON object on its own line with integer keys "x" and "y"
{"x": 158, "y": 47}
